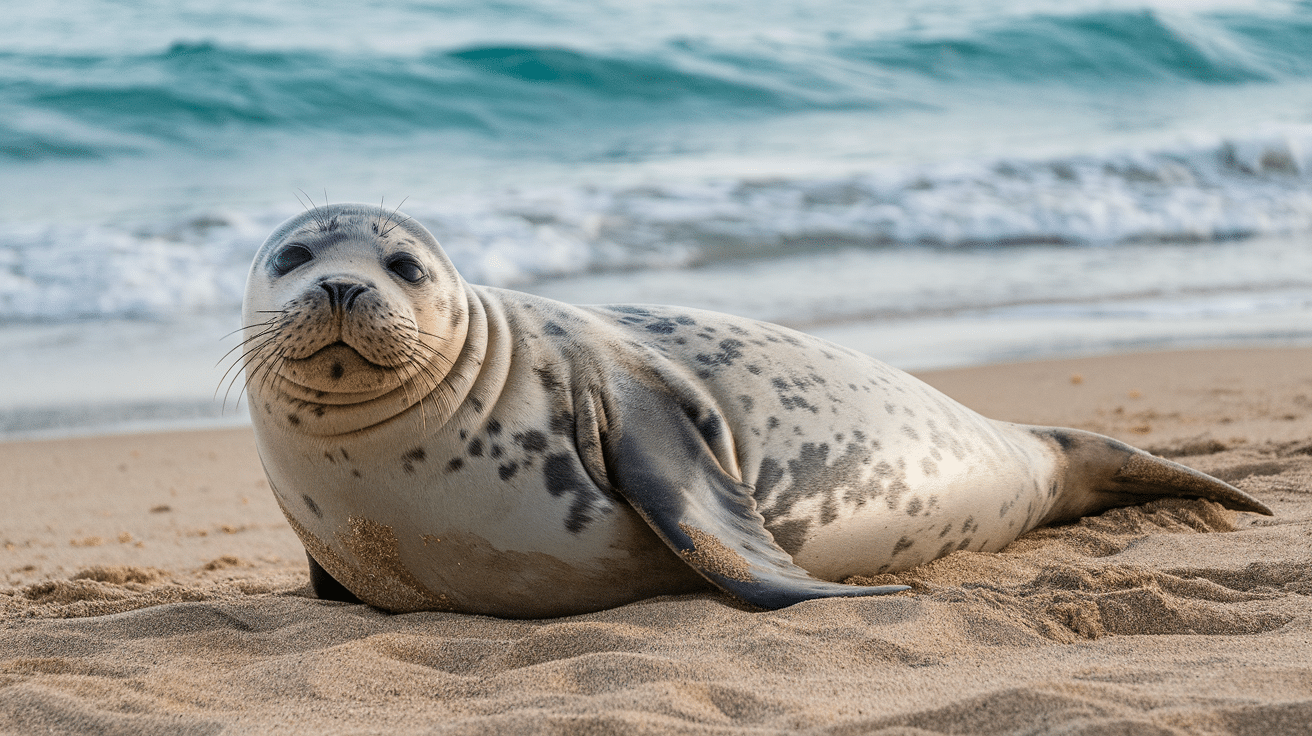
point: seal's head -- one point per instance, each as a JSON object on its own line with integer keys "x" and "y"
{"x": 353, "y": 315}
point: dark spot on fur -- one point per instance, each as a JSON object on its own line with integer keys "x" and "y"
{"x": 475, "y": 447}
{"x": 730, "y": 351}
{"x": 562, "y": 422}
{"x": 312, "y": 506}
{"x": 747, "y": 402}
{"x": 549, "y": 382}
{"x": 790, "y": 534}
{"x": 767, "y": 478}
{"x": 337, "y": 371}
{"x": 662, "y": 327}
{"x": 561, "y": 478}
{"x": 772, "y": 422}
{"x": 416, "y": 455}
{"x": 914, "y": 506}
{"x": 455, "y": 464}
{"x": 508, "y": 471}
{"x": 330, "y": 457}
{"x": 478, "y": 405}
{"x": 1065, "y": 441}
{"x": 553, "y": 329}
{"x": 929, "y": 467}
{"x": 493, "y": 427}
{"x": 753, "y": 369}
{"x": 532, "y": 441}
{"x": 797, "y": 402}
{"x": 357, "y": 474}
{"x": 295, "y": 420}
{"x": 903, "y": 544}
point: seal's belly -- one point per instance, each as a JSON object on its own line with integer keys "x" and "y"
{"x": 475, "y": 538}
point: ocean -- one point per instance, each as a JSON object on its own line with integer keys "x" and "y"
{"x": 934, "y": 182}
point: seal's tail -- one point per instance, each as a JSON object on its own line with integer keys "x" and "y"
{"x": 1112, "y": 473}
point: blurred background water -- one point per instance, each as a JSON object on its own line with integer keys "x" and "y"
{"x": 934, "y": 182}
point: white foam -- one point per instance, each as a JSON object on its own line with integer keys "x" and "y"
{"x": 1203, "y": 190}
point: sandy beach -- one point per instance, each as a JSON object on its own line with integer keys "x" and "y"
{"x": 149, "y": 584}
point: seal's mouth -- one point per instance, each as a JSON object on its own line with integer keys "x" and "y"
{"x": 340, "y": 353}
{"x": 337, "y": 360}
{"x": 338, "y": 368}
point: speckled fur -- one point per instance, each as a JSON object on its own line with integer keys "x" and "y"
{"x": 512, "y": 471}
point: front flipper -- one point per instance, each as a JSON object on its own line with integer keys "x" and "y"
{"x": 326, "y": 586}
{"x": 661, "y": 463}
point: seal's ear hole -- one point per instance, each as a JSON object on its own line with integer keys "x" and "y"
{"x": 405, "y": 266}
{"x": 291, "y": 257}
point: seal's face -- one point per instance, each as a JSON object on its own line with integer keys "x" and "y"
{"x": 347, "y": 307}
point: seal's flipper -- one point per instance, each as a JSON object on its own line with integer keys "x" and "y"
{"x": 1109, "y": 473}
{"x": 326, "y": 586}
{"x": 664, "y": 468}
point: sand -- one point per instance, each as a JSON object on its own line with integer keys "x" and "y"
{"x": 150, "y": 585}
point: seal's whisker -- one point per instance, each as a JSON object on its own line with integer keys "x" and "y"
{"x": 246, "y": 341}
{"x": 424, "y": 367}
{"x": 265, "y": 366}
{"x": 241, "y": 361}
{"x": 244, "y": 327}
{"x": 410, "y": 401}
{"x": 396, "y": 211}
{"x": 269, "y": 375}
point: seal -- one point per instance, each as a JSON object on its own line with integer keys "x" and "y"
{"x": 438, "y": 445}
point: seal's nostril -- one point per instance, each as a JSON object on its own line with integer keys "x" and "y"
{"x": 342, "y": 294}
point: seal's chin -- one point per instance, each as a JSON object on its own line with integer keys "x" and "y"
{"x": 339, "y": 368}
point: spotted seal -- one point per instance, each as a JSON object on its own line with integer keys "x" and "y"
{"x": 441, "y": 445}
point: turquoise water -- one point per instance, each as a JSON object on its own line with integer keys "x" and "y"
{"x": 926, "y": 164}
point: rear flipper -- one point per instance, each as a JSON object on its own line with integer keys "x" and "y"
{"x": 1111, "y": 473}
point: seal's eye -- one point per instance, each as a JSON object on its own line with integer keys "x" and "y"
{"x": 291, "y": 257}
{"x": 407, "y": 268}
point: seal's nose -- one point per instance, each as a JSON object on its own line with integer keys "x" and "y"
{"x": 341, "y": 294}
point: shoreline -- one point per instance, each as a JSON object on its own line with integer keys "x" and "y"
{"x": 199, "y": 412}
{"x": 151, "y": 584}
